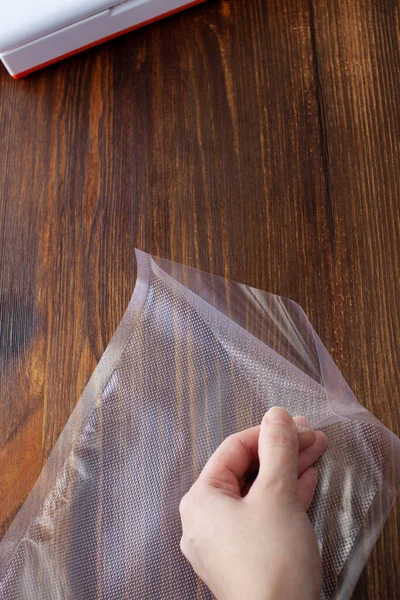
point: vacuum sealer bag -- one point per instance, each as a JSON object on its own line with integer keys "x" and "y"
{"x": 195, "y": 358}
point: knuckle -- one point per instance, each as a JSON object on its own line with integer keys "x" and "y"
{"x": 193, "y": 502}
{"x": 183, "y": 547}
{"x": 281, "y": 438}
{"x": 231, "y": 441}
{"x": 184, "y": 505}
{"x": 277, "y": 486}
{"x": 235, "y": 443}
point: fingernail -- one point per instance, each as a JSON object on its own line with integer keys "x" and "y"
{"x": 278, "y": 415}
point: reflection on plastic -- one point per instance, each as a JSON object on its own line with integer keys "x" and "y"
{"x": 194, "y": 359}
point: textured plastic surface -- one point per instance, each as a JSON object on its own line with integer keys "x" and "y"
{"x": 194, "y": 359}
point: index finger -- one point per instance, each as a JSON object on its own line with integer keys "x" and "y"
{"x": 232, "y": 460}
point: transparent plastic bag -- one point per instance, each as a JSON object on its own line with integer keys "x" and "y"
{"x": 195, "y": 358}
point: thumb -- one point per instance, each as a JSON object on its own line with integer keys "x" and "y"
{"x": 278, "y": 449}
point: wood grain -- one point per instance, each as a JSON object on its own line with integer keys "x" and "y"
{"x": 257, "y": 140}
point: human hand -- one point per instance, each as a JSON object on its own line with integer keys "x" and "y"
{"x": 246, "y": 532}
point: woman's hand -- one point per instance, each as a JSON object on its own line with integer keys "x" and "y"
{"x": 245, "y": 527}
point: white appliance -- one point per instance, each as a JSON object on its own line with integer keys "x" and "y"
{"x": 36, "y": 33}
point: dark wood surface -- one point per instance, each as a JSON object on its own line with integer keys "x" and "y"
{"x": 255, "y": 139}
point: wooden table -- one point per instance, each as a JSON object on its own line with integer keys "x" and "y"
{"x": 256, "y": 139}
